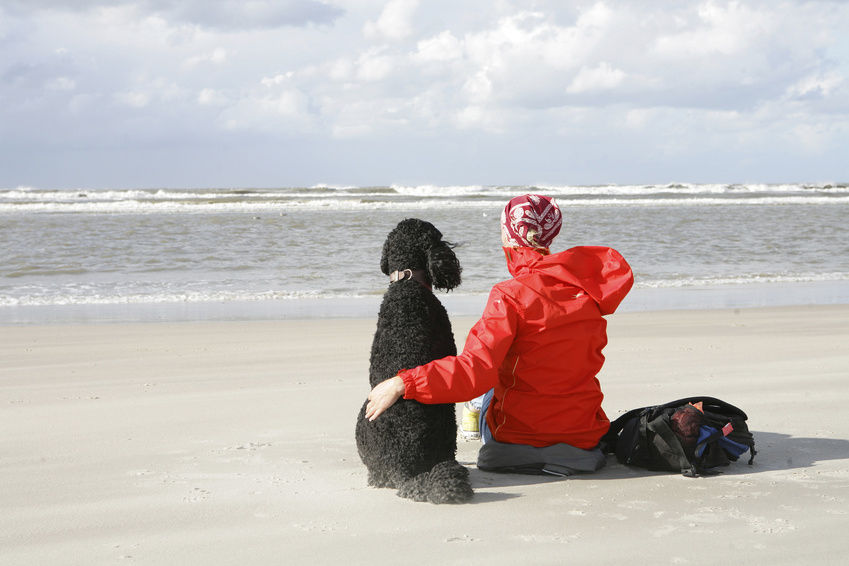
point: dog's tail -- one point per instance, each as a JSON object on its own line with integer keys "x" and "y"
{"x": 447, "y": 482}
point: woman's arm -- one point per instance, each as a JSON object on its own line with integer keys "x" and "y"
{"x": 456, "y": 378}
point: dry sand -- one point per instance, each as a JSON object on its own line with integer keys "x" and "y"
{"x": 232, "y": 443}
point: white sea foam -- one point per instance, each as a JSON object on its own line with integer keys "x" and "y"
{"x": 156, "y": 298}
{"x": 740, "y": 280}
{"x": 29, "y": 195}
{"x": 214, "y": 202}
{"x": 213, "y": 296}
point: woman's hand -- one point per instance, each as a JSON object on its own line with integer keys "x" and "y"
{"x": 384, "y": 396}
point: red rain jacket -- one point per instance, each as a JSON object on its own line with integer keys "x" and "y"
{"x": 539, "y": 345}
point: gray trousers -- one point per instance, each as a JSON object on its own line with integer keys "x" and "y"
{"x": 558, "y": 459}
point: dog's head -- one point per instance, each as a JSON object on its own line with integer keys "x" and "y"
{"x": 416, "y": 244}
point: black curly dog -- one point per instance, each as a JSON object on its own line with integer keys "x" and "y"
{"x": 412, "y": 447}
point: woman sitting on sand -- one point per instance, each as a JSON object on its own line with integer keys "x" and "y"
{"x": 536, "y": 351}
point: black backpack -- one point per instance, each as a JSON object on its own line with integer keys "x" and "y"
{"x": 695, "y": 436}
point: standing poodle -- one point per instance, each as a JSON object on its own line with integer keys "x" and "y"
{"x": 413, "y": 446}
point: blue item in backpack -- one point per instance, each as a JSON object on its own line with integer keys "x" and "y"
{"x": 709, "y": 434}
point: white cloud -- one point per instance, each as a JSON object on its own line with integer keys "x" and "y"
{"x": 61, "y": 83}
{"x": 638, "y": 118}
{"x": 290, "y": 103}
{"x": 280, "y": 111}
{"x": 603, "y": 77}
{"x": 476, "y": 117}
{"x": 817, "y": 86}
{"x": 357, "y": 119}
{"x": 159, "y": 90}
{"x": 181, "y": 35}
{"x": 374, "y": 65}
{"x": 717, "y": 29}
{"x": 211, "y": 97}
{"x": 341, "y": 69}
{"x": 281, "y": 98}
{"x": 395, "y": 21}
{"x": 478, "y": 88}
{"x": 217, "y": 56}
{"x": 133, "y": 99}
{"x": 471, "y": 117}
{"x": 529, "y": 58}
{"x": 529, "y": 39}
{"x": 442, "y": 48}
{"x": 278, "y": 79}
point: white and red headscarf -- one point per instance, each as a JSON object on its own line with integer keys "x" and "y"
{"x": 531, "y": 221}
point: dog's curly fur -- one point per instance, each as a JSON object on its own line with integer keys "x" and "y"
{"x": 412, "y": 447}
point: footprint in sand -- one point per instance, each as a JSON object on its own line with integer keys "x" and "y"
{"x": 196, "y": 495}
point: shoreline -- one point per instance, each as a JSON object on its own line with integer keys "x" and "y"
{"x": 232, "y": 443}
{"x": 457, "y": 305}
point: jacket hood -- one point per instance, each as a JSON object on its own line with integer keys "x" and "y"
{"x": 601, "y": 272}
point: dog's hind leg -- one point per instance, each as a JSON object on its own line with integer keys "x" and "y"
{"x": 416, "y": 488}
{"x": 447, "y": 482}
{"x": 379, "y": 479}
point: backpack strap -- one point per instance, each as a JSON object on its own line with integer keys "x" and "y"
{"x": 668, "y": 445}
{"x": 607, "y": 444}
{"x": 711, "y": 404}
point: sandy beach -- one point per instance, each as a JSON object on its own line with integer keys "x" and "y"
{"x": 232, "y": 443}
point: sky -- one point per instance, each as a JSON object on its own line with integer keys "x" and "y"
{"x": 300, "y": 93}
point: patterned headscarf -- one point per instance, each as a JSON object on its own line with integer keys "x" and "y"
{"x": 531, "y": 221}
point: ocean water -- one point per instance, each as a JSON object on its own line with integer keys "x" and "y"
{"x": 210, "y": 254}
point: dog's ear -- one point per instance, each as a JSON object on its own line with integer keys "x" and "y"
{"x": 443, "y": 267}
{"x": 384, "y": 259}
{"x": 388, "y": 244}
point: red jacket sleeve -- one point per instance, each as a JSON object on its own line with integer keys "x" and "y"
{"x": 455, "y": 379}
